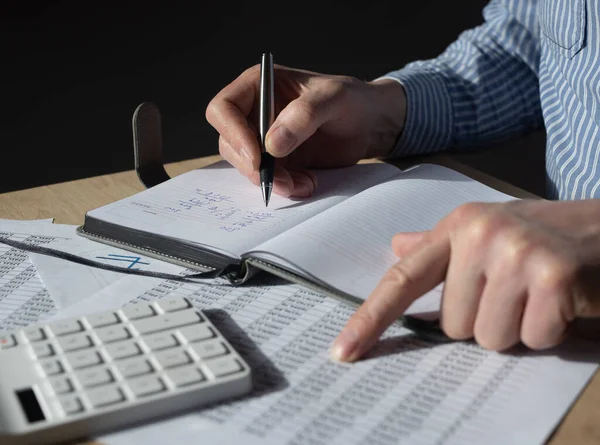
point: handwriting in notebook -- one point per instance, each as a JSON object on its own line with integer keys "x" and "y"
{"x": 245, "y": 219}
{"x": 207, "y": 199}
{"x": 209, "y": 205}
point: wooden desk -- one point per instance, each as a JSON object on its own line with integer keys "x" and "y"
{"x": 67, "y": 203}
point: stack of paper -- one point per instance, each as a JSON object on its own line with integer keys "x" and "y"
{"x": 407, "y": 390}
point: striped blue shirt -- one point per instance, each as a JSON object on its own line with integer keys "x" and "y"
{"x": 531, "y": 63}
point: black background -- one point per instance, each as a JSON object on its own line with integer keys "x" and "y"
{"x": 73, "y": 72}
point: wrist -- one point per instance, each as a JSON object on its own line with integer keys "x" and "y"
{"x": 390, "y": 112}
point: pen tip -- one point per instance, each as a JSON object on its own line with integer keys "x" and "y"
{"x": 266, "y": 193}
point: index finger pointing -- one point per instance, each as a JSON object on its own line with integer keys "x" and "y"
{"x": 402, "y": 284}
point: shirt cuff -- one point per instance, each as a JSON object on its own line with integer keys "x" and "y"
{"x": 429, "y": 118}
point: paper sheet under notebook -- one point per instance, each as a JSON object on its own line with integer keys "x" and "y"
{"x": 69, "y": 282}
{"x": 29, "y": 294}
{"x": 408, "y": 390}
{"x": 23, "y": 297}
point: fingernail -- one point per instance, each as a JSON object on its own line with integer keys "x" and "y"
{"x": 280, "y": 141}
{"x": 345, "y": 345}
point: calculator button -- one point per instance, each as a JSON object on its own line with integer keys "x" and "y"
{"x": 167, "y": 321}
{"x": 134, "y": 366}
{"x": 34, "y": 334}
{"x": 42, "y": 350}
{"x": 105, "y": 396}
{"x": 143, "y": 386}
{"x": 71, "y": 404}
{"x": 197, "y": 332}
{"x": 51, "y": 367}
{"x": 136, "y": 311}
{"x": 210, "y": 348}
{"x": 223, "y": 365}
{"x": 173, "y": 304}
{"x": 160, "y": 341}
{"x": 7, "y": 341}
{"x": 123, "y": 349}
{"x": 83, "y": 359}
{"x": 74, "y": 342}
{"x": 172, "y": 358}
{"x": 61, "y": 385}
{"x": 112, "y": 333}
{"x": 66, "y": 327}
{"x": 186, "y": 375}
{"x": 102, "y": 319}
{"x": 94, "y": 377}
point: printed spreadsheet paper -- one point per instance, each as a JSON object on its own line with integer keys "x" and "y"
{"x": 23, "y": 296}
{"x": 407, "y": 391}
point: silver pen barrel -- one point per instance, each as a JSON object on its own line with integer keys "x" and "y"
{"x": 267, "y": 97}
{"x": 266, "y": 119}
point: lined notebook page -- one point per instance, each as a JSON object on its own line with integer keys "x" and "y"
{"x": 217, "y": 206}
{"x": 349, "y": 247}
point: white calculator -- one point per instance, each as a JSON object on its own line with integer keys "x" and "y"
{"x": 83, "y": 376}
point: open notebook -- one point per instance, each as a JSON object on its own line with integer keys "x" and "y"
{"x": 337, "y": 241}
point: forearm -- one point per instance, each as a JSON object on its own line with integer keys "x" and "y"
{"x": 483, "y": 88}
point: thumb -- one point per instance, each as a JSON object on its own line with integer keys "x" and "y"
{"x": 297, "y": 122}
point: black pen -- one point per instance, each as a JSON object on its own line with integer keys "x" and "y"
{"x": 266, "y": 118}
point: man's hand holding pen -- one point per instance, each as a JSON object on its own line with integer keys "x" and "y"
{"x": 321, "y": 121}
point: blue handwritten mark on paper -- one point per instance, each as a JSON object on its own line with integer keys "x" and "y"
{"x": 133, "y": 260}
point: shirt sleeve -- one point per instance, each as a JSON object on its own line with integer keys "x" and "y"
{"x": 484, "y": 87}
